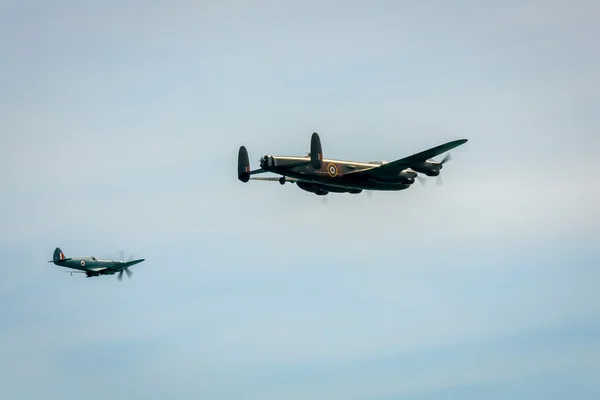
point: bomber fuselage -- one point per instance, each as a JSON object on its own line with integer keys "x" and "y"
{"x": 336, "y": 173}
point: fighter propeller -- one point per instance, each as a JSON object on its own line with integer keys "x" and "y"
{"x": 129, "y": 273}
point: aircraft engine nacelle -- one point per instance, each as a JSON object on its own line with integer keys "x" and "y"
{"x": 427, "y": 168}
{"x": 243, "y": 168}
{"x": 407, "y": 176}
{"x": 429, "y": 171}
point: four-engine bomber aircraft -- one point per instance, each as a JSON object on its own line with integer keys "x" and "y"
{"x": 318, "y": 175}
{"x": 93, "y": 266}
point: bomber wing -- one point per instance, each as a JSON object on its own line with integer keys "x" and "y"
{"x": 397, "y": 166}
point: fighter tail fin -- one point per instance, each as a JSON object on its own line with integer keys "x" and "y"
{"x": 58, "y": 255}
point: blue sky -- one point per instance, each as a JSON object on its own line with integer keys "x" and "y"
{"x": 120, "y": 127}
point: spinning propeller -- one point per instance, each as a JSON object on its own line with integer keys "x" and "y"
{"x": 129, "y": 273}
{"x": 438, "y": 179}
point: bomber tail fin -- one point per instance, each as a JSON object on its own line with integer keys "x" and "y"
{"x": 243, "y": 168}
{"x": 316, "y": 152}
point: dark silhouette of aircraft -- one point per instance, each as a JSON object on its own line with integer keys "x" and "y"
{"x": 93, "y": 266}
{"x": 321, "y": 176}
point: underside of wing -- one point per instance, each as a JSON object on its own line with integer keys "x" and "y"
{"x": 397, "y": 166}
{"x": 97, "y": 269}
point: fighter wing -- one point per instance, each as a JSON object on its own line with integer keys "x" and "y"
{"x": 397, "y": 166}
{"x": 132, "y": 262}
{"x": 96, "y": 269}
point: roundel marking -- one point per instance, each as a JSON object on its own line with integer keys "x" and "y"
{"x": 332, "y": 170}
{"x": 82, "y": 263}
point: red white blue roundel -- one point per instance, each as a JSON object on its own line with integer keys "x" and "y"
{"x": 82, "y": 263}
{"x": 332, "y": 169}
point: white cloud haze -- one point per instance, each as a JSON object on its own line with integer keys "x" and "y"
{"x": 120, "y": 127}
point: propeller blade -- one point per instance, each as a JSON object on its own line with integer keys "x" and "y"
{"x": 422, "y": 180}
{"x": 130, "y": 258}
{"x": 369, "y": 193}
{"x": 446, "y": 159}
{"x": 129, "y": 273}
{"x": 439, "y": 181}
{"x": 324, "y": 200}
{"x": 120, "y": 276}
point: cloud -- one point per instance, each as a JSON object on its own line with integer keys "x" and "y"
{"x": 122, "y": 126}
{"x": 321, "y": 323}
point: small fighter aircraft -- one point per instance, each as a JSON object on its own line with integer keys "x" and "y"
{"x": 93, "y": 266}
{"x": 319, "y": 175}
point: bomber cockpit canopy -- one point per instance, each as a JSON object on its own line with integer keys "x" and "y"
{"x": 378, "y": 162}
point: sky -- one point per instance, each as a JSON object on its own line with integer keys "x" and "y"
{"x": 120, "y": 124}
